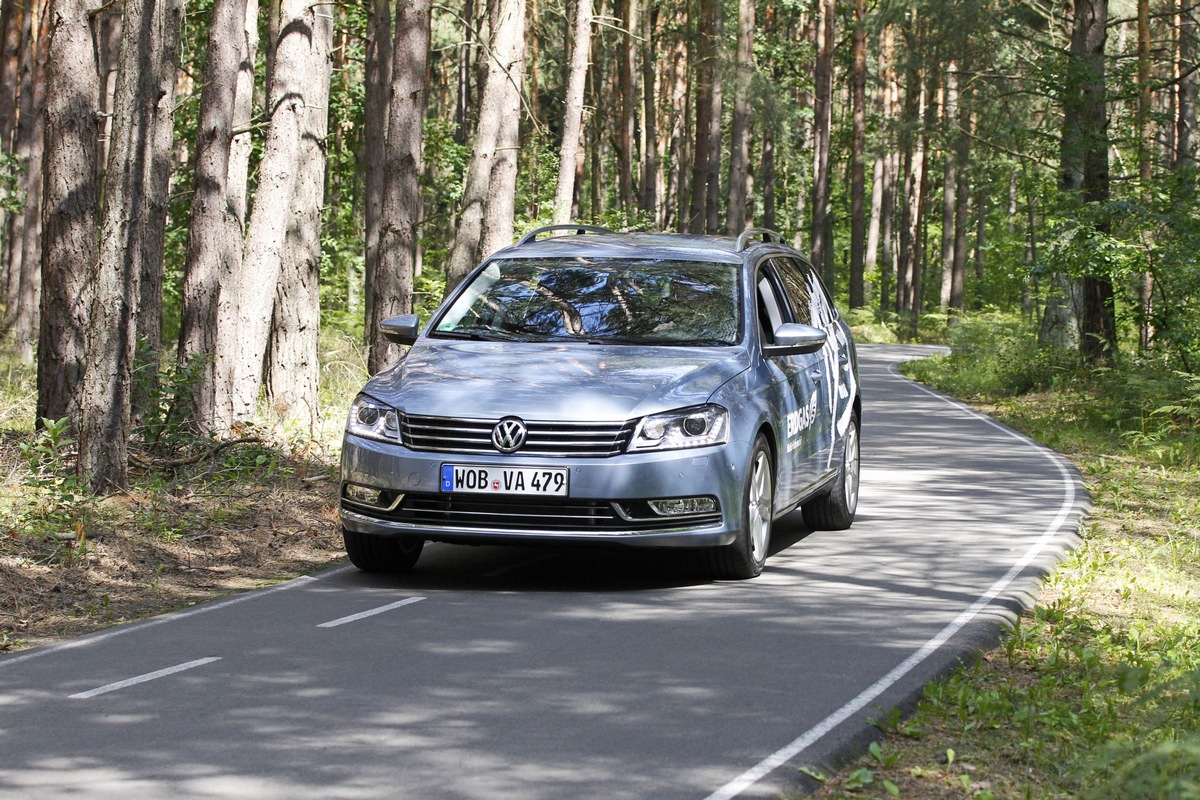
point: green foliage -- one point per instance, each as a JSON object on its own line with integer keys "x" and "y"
{"x": 59, "y": 500}
{"x": 166, "y": 422}
{"x": 869, "y": 326}
{"x": 1099, "y": 696}
{"x": 12, "y": 199}
{"x": 995, "y": 354}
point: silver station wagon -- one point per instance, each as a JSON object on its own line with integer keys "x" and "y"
{"x": 591, "y": 387}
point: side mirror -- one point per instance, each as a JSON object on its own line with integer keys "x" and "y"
{"x": 402, "y": 329}
{"x": 792, "y": 339}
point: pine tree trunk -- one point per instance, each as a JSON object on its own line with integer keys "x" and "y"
{"x": 705, "y": 82}
{"x": 293, "y": 369}
{"x": 949, "y": 187}
{"x": 822, "y": 243}
{"x": 378, "y": 82}
{"x": 253, "y": 299}
{"x": 1185, "y": 103}
{"x": 215, "y": 229}
{"x": 1085, "y": 165}
{"x": 858, "y": 222}
{"x": 393, "y": 284}
{"x": 652, "y": 177}
{"x": 508, "y": 83}
{"x": 627, "y": 125}
{"x": 739, "y": 148}
{"x": 128, "y": 282}
{"x": 962, "y": 204}
{"x": 914, "y": 175}
{"x": 676, "y": 199}
{"x": 70, "y": 212}
{"x": 485, "y": 221}
{"x": 581, "y": 35}
{"x": 712, "y": 209}
{"x": 14, "y": 35}
{"x": 25, "y": 242}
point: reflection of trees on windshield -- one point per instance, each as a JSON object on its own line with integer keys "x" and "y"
{"x": 641, "y": 301}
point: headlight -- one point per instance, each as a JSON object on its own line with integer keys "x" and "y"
{"x": 699, "y": 426}
{"x": 372, "y": 419}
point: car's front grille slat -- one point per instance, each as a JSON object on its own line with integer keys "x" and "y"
{"x": 555, "y": 439}
{"x": 525, "y": 514}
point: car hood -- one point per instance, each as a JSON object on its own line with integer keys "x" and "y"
{"x": 543, "y": 381}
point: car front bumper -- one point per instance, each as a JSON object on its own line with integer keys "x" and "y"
{"x": 606, "y": 502}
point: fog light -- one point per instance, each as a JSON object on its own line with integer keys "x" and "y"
{"x": 683, "y": 506}
{"x": 364, "y": 495}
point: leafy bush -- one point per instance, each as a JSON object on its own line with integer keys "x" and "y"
{"x": 993, "y": 354}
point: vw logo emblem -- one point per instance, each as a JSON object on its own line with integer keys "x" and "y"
{"x": 509, "y": 434}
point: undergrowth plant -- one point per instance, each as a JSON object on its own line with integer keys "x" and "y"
{"x": 1095, "y": 691}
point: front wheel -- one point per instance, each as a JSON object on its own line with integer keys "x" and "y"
{"x": 746, "y": 556}
{"x": 835, "y": 511}
{"x": 381, "y": 553}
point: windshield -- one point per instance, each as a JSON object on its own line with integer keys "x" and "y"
{"x": 599, "y": 301}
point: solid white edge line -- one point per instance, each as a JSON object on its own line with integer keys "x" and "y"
{"x": 170, "y": 616}
{"x": 149, "y": 676}
{"x": 364, "y": 614}
{"x": 814, "y": 734}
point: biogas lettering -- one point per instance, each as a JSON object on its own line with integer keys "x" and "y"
{"x": 801, "y": 419}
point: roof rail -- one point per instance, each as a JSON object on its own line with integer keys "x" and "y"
{"x": 767, "y": 235}
{"x": 578, "y": 228}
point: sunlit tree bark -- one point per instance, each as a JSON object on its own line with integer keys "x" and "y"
{"x": 70, "y": 211}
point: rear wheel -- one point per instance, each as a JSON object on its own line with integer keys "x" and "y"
{"x": 381, "y": 553}
{"x": 745, "y": 557}
{"x": 835, "y": 511}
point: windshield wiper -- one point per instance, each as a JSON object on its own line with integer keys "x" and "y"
{"x": 480, "y": 334}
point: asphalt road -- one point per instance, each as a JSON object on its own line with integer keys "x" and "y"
{"x": 531, "y": 674}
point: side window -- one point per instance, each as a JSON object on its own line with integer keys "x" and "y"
{"x": 798, "y": 289}
{"x": 822, "y": 306}
{"x": 770, "y": 315}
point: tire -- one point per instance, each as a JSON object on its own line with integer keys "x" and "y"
{"x": 392, "y": 554}
{"x": 744, "y": 558}
{"x": 835, "y": 510}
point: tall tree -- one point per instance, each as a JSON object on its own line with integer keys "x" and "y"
{"x": 1084, "y": 164}
{"x": 24, "y": 245}
{"x": 822, "y": 223}
{"x": 127, "y": 301}
{"x": 572, "y": 127}
{"x": 739, "y": 150}
{"x": 378, "y": 80}
{"x": 652, "y": 177}
{"x": 291, "y": 99}
{"x": 705, "y": 82}
{"x": 486, "y": 220}
{"x": 627, "y": 126}
{"x": 214, "y": 256}
{"x": 292, "y": 370}
{"x": 392, "y": 288}
{"x": 70, "y": 211}
{"x": 858, "y": 221}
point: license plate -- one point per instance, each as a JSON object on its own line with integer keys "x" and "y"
{"x": 477, "y": 479}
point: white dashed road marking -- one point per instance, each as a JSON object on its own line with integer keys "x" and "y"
{"x": 149, "y": 676}
{"x": 364, "y": 614}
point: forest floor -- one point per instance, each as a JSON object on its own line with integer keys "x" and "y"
{"x": 247, "y": 517}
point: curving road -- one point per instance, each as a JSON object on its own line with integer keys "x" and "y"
{"x": 542, "y": 674}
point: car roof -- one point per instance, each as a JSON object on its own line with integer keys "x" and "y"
{"x": 599, "y": 243}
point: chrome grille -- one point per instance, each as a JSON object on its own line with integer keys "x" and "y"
{"x": 452, "y": 435}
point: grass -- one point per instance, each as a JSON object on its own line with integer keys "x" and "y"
{"x": 237, "y": 518}
{"x": 1095, "y": 692}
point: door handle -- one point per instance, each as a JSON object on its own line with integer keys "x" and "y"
{"x": 816, "y": 375}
